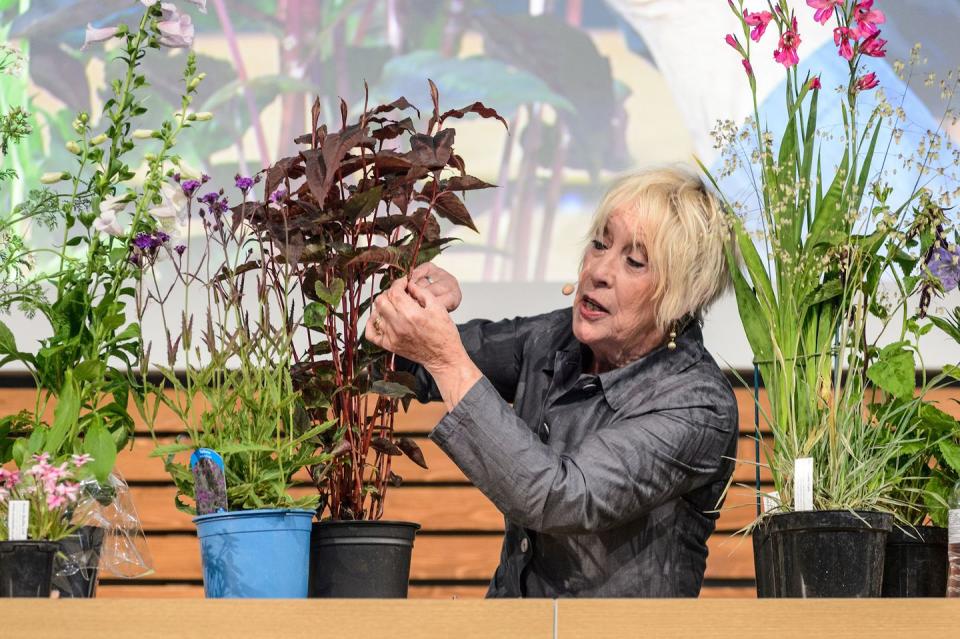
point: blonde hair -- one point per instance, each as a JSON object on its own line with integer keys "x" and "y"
{"x": 689, "y": 234}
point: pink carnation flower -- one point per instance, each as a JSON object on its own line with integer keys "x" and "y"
{"x": 867, "y": 18}
{"x": 824, "y": 9}
{"x": 873, "y": 46}
{"x": 867, "y": 82}
{"x": 759, "y": 21}
{"x": 842, "y": 37}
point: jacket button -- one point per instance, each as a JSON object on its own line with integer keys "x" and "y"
{"x": 524, "y": 545}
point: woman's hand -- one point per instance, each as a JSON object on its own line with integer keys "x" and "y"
{"x": 439, "y": 283}
{"x": 410, "y": 321}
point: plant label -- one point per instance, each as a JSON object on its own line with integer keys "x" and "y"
{"x": 18, "y": 519}
{"x": 803, "y": 484}
{"x": 769, "y": 501}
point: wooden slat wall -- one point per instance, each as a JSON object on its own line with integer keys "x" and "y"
{"x": 458, "y": 546}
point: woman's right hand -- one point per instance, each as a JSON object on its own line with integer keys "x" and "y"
{"x": 441, "y": 284}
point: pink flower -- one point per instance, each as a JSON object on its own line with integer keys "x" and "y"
{"x": 867, "y": 18}
{"x": 55, "y": 501}
{"x": 176, "y": 29}
{"x": 824, "y": 9}
{"x": 814, "y": 82}
{"x": 841, "y": 38}
{"x": 759, "y": 21}
{"x": 867, "y": 82}
{"x": 733, "y": 42}
{"x": 747, "y": 66}
{"x": 95, "y": 34}
{"x": 68, "y": 490}
{"x": 43, "y": 458}
{"x": 9, "y": 478}
{"x": 80, "y": 460}
{"x": 873, "y": 46}
{"x": 786, "y": 52}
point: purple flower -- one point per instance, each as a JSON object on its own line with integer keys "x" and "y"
{"x": 161, "y": 238}
{"x": 180, "y": 248}
{"x": 278, "y": 195}
{"x": 943, "y": 264}
{"x": 143, "y": 241}
{"x": 243, "y": 183}
{"x": 208, "y": 198}
{"x": 204, "y": 178}
{"x": 190, "y": 187}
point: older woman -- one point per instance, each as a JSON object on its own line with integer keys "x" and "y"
{"x": 618, "y": 443}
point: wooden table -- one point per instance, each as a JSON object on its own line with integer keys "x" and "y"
{"x": 462, "y": 619}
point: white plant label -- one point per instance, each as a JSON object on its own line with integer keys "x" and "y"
{"x": 770, "y": 501}
{"x": 803, "y": 484}
{"x": 18, "y": 519}
{"x": 953, "y": 527}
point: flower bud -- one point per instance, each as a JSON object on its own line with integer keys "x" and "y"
{"x": 203, "y": 116}
{"x": 100, "y": 139}
{"x": 73, "y": 147}
{"x": 149, "y": 157}
{"x": 53, "y": 178}
{"x": 143, "y": 134}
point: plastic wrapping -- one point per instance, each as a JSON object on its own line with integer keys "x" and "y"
{"x": 111, "y": 542}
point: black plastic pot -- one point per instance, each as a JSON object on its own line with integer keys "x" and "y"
{"x": 78, "y": 563}
{"x": 916, "y": 562}
{"x": 828, "y": 553}
{"x": 763, "y": 560}
{"x": 26, "y": 568}
{"x": 361, "y": 559}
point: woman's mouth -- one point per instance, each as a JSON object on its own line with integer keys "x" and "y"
{"x": 590, "y": 309}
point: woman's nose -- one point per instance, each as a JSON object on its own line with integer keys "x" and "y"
{"x": 600, "y": 271}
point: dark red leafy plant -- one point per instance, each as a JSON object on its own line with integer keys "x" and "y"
{"x": 350, "y": 213}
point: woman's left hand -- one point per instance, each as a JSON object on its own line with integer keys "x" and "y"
{"x": 410, "y": 321}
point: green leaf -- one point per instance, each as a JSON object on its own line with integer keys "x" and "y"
{"x": 98, "y": 443}
{"x": 92, "y": 370}
{"x": 935, "y": 496}
{"x": 237, "y": 448}
{"x": 170, "y": 449}
{"x": 894, "y": 372}
{"x": 8, "y": 343}
{"x": 315, "y": 315}
{"x": 951, "y": 454}
{"x": 65, "y": 415}
{"x": 331, "y": 295}
{"x": 829, "y": 216}
{"x": 361, "y": 204}
{"x": 751, "y": 314}
{"x": 316, "y": 430}
{"x": 390, "y": 389}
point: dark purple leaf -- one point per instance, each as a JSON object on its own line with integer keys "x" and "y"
{"x": 450, "y": 207}
{"x": 476, "y": 107}
{"x": 412, "y": 450}
{"x": 464, "y": 183}
{"x": 385, "y": 446}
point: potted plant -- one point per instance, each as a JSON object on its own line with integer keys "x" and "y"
{"x": 916, "y": 555}
{"x": 354, "y": 210}
{"x": 829, "y": 242}
{"x": 234, "y": 394}
{"x": 81, "y": 287}
{"x": 50, "y": 506}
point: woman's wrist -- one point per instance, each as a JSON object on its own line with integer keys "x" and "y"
{"x": 454, "y": 377}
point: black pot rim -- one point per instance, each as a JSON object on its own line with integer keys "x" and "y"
{"x": 333, "y": 523}
{"x": 860, "y": 520}
{"x": 36, "y": 544}
{"x": 903, "y": 534}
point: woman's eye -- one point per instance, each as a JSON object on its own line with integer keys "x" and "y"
{"x": 598, "y": 245}
{"x": 633, "y": 263}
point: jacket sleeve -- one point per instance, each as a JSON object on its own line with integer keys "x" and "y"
{"x": 625, "y": 469}
{"x": 495, "y": 347}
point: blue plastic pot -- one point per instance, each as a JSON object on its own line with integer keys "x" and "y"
{"x": 255, "y": 554}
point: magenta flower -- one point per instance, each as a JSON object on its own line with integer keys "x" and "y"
{"x": 842, "y": 37}
{"x": 814, "y": 82}
{"x": 867, "y": 82}
{"x": 824, "y": 9}
{"x": 786, "y": 52}
{"x": 873, "y": 46}
{"x": 180, "y": 248}
{"x": 759, "y": 21}
{"x": 867, "y": 18}
{"x": 733, "y": 42}
{"x": 747, "y": 66}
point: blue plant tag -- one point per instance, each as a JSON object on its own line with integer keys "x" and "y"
{"x": 209, "y": 483}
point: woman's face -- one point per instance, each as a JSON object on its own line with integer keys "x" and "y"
{"x": 613, "y": 310}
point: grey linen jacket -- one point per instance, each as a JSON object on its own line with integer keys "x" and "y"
{"x": 607, "y": 482}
